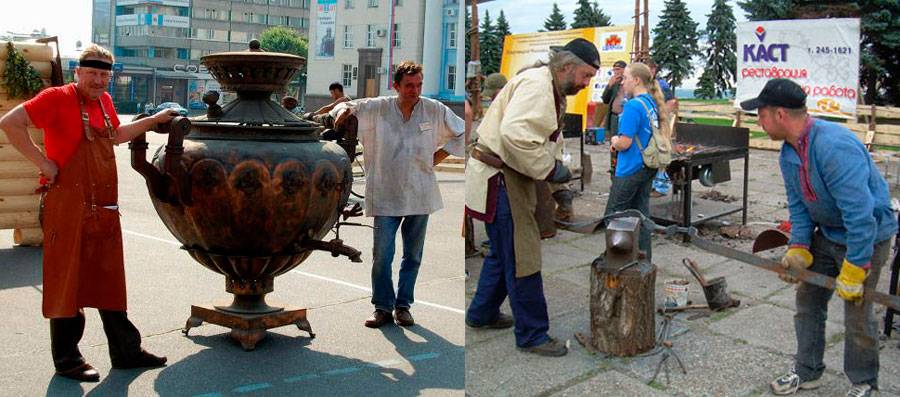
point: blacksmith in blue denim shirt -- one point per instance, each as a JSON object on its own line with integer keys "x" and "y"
{"x": 841, "y": 226}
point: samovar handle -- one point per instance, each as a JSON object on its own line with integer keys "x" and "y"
{"x": 174, "y": 175}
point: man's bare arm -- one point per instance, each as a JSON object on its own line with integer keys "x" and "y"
{"x": 440, "y": 155}
{"x": 15, "y": 124}
{"x": 327, "y": 108}
{"x": 128, "y": 131}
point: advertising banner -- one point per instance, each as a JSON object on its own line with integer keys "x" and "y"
{"x": 822, "y": 55}
{"x": 325, "y": 28}
{"x": 613, "y": 43}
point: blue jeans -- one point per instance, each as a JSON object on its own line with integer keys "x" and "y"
{"x": 661, "y": 183}
{"x": 412, "y": 229}
{"x": 498, "y": 280}
{"x": 861, "y": 341}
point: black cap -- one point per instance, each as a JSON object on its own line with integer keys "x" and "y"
{"x": 583, "y": 49}
{"x": 778, "y": 92}
{"x": 620, "y": 64}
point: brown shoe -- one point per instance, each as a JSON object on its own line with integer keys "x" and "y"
{"x": 144, "y": 359}
{"x": 550, "y": 348}
{"x": 82, "y": 373}
{"x": 379, "y": 318}
{"x": 404, "y": 317}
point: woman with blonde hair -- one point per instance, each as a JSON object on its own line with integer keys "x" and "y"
{"x": 632, "y": 180}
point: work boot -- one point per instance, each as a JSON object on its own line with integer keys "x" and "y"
{"x": 789, "y": 384}
{"x": 502, "y": 321}
{"x": 65, "y": 333}
{"x": 144, "y": 359}
{"x": 404, "y": 317}
{"x": 550, "y": 348}
{"x": 564, "y": 211}
{"x": 379, "y": 318}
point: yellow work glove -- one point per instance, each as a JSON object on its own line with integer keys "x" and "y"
{"x": 797, "y": 258}
{"x": 849, "y": 284}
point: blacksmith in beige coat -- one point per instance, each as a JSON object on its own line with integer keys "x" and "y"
{"x": 518, "y": 143}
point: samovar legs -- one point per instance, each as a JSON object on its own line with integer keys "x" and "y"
{"x": 248, "y": 329}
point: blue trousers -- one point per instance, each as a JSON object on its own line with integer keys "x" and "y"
{"x": 412, "y": 229}
{"x": 498, "y": 280}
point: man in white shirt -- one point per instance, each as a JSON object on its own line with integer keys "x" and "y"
{"x": 403, "y": 138}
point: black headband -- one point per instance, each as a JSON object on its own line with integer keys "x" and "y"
{"x": 93, "y": 63}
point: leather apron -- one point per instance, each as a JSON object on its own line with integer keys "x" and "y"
{"x": 522, "y": 194}
{"x": 83, "y": 257}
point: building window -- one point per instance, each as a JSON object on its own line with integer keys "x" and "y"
{"x": 347, "y": 76}
{"x": 451, "y": 35}
{"x": 395, "y": 36}
{"x": 348, "y": 4}
{"x": 451, "y": 77}
{"x": 398, "y": 3}
{"x": 348, "y": 37}
{"x": 370, "y": 36}
{"x": 239, "y": 37}
{"x": 373, "y": 3}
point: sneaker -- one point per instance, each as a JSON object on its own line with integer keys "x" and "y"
{"x": 861, "y": 390}
{"x": 550, "y": 348}
{"x": 790, "y": 383}
{"x": 503, "y": 321}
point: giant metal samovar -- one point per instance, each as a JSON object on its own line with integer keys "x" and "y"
{"x": 248, "y": 189}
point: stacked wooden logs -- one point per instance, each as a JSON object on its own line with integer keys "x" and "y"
{"x": 19, "y": 204}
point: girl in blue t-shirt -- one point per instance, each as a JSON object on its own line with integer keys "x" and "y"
{"x": 631, "y": 183}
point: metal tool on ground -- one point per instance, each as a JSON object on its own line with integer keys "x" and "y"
{"x": 770, "y": 238}
{"x": 714, "y": 290}
{"x": 664, "y": 342}
{"x": 590, "y": 226}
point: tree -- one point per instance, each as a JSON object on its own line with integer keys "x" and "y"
{"x": 589, "y": 15}
{"x": 766, "y": 10}
{"x": 501, "y": 31}
{"x": 488, "y": 46}
{"x": 284, "y": 39}
{"x": 721, "y": 62}
{"x": 555, "y": 21}
{"x": 706, "y": 87}
{"x": 675, "y": 43}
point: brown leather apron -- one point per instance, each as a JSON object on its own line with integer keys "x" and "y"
{"x": 83, "y": 258}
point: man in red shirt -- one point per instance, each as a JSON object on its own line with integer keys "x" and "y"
{"x": 83, "y": 259}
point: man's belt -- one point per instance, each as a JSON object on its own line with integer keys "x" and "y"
{"x": 487, "y": 158}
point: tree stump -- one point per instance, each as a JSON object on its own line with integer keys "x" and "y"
{"x": 622, "y": 300}
{"x": 623, "y": 322}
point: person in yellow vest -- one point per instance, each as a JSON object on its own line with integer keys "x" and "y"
{"x": 518, "y": 142}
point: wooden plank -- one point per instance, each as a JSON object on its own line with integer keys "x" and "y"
{"x": 19, "y": 220}
{"x": 18, "y": 186}
{"x": 15, "y": 204}
{"x": 37, "y": 136}
{"x": 44, "y": 68}
{"x": 9, "y": 153}
{"x": 28, "y": 237}
{"x": 880, "y": 111}
{"x": 30, "y": 51}
{"x": 15, "y": 170}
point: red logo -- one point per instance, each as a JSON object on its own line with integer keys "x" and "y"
{"x": 613, "y": 41}
{"x": 760, "y": 33}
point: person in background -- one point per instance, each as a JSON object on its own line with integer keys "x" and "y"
{"x": 841, "y": 226}
{"x": 661, "y": 182}
{"x": 403, "y": 138}
{"x": 631, "y": 184}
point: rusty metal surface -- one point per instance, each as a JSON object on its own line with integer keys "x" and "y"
{"x": 768, "y": 239}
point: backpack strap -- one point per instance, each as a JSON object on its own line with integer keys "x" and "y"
{"x": 638, "y": 138}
